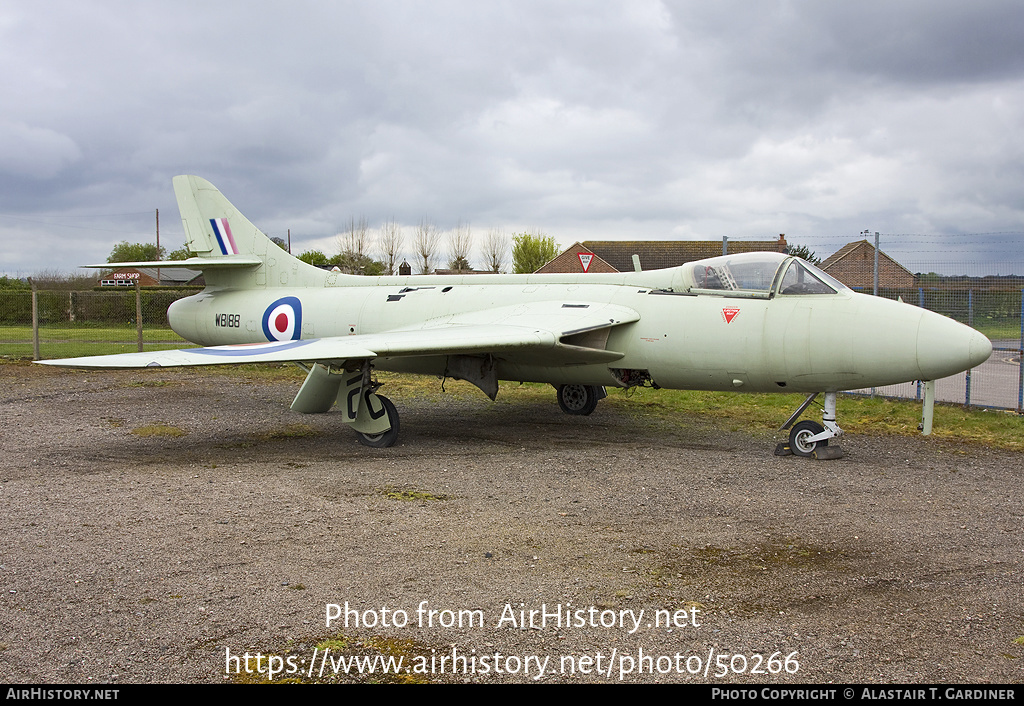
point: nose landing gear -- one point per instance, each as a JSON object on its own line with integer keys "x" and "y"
{"x": 810, "y": 439}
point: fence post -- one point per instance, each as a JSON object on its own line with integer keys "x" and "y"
{"x": 138, "y": 313}
{"x": 35, "y": 321}
{"x": 876, "y": 263}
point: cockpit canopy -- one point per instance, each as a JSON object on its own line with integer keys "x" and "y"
{"x": 757, "y": 274}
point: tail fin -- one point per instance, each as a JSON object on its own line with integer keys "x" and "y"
{"x": 231, "y": 251}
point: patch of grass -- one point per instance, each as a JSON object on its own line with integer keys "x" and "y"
{"x": 336, "y": 643}
{"x": 152, "y": 430}
{"x": 764, "y": 413}
{"x": 1019, "y": 640}
{"x": 411, "y": 495}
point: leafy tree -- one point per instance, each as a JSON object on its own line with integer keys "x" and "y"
{"x": 356, "y": 264}
{"x": 55, "y": 279}
{"x": 531, "y": 252}
{"x": 11, "y": 284}
{"x": 804, "y": 252}
{"x": 182, "y": 253}
{"x": 314, "y": 257}
{"x": 281, "y": 243}
{"x": 135, "y": 252}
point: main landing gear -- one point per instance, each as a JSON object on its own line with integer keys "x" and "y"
{"x": 372, "y": 416}
{"x": 810, "y": 439}
{"x": 580, "y": 399}
{"x": 381, "y": 406}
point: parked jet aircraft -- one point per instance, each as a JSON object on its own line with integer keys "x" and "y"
{"x": 758, "y": 322}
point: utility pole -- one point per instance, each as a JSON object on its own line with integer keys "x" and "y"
{"x": 876, "y": 263}
{"x": 865, "y": 234}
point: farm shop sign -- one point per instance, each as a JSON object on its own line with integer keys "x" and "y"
{"x": 121, "y": 279}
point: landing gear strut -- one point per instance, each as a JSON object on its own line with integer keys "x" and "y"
{"x": 810, "y": 439}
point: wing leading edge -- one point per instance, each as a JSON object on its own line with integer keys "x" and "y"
{"x": 561, "y": 333}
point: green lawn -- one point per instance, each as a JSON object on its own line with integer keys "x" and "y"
{"x": 1003, "y": 331}
{"x": 75, "y": 341}
{"x": 86, "y": 333}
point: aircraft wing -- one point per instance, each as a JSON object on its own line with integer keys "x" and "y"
{"x": 192, "y": 263}
{"x": 566, "y": 332}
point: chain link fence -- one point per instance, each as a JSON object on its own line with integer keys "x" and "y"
{"x": 69, "y": 324}
{"x": 993, "y": 304}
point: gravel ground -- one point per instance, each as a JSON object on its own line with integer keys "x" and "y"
{"x": 130, "y": 558}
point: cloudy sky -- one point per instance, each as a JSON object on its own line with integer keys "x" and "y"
{"x": 586, "y": 120}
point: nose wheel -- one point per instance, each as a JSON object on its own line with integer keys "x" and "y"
{"x": 801, "y": 435}
{"x": 810, "y": 439}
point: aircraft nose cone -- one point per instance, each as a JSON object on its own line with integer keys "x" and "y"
{"x": 946, "y": 347}
{"x": 980, "y": 348}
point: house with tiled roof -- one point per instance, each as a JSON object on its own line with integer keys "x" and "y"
{"x": 571, "y": 261}
{"x": 151, "y": 277}
{"x": 617, "y": 255}
{"x": 854, "y": 265}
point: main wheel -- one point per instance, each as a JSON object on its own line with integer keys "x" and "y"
{"x": 578, "y": 399}
{"x": 799, "y": 435}
{"x": 385, "y": 438}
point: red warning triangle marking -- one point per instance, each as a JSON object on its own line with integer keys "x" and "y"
{"x": 585, "y": 259}
{"x": 729, "y": 314}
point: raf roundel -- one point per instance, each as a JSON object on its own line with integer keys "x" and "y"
{"x": 282, "y": 321}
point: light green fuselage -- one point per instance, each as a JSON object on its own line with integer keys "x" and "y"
{"x": 771, "y": 342}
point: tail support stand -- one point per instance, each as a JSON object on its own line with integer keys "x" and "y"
{"x": 928, "y": 408}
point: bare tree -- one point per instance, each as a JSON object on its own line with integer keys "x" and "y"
{"x": 495, "y": 249}
{"x": 354, "y": 239}
{"x": 426, "y": 242}
{"x": 390, "y": 244}
{"x": 460, "y": 242}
